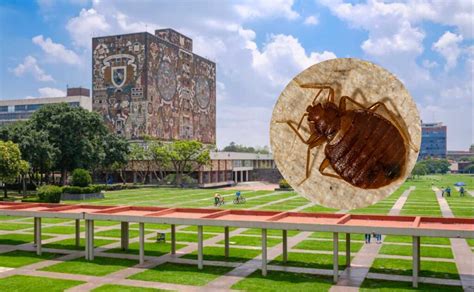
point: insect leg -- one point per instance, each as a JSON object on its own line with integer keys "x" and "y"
{"x": 320, "y": 87}
{"x": 290, "y": 123}
{"x": 379, "y": 104}
{"x": 316, "y": 142}
{"x": 325, "y": 165}
{"x": 342, "y": 103}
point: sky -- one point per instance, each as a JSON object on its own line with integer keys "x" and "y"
{"x": 259, "y": 46}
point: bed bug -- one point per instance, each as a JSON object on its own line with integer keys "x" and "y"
{"x": 363, "y": 147}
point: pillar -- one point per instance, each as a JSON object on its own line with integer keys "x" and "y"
{"x": 348, "y": 250}
{"x": 91, "y": 239}
{"x": 416, "y": 260}
{"x": 264, "y": 252}
{"x": 141, "y": 228}
{"x": 247, "y": 175}
{"x": 226, "y": 241}
{"x": 38, "y": 235}
{"x": 173, "y": 239}
{"x": 124, "y": 227}
{"x": 335, "y": 259}
{"x": 200, "y": 247}
{"x": 34, "y": 231}
{"x": 78, "y": 232}
{"x": 200, "y": 176}
{"x": 285, "y": 246}
{"x": 218, "y": 171}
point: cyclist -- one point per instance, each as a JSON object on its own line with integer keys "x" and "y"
{"x": 216, "y": 199}
{"x": 237, "y": 196}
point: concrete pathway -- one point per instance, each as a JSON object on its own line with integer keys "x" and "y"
{"x": 353, "y": 277}
{"x": 463, "y": 255}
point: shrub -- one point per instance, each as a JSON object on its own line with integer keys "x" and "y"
{"x": 185, "y": 179}
{"x": 50, "y": 193}
{"x": 85, "y": 190}
{"x": 81, "y": 178}
{"x": 284, "y": 184}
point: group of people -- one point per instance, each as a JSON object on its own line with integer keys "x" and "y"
{"x": 378, "y": 237}
{"x": 219, "y": 199}
{"x": 447, "y": 192}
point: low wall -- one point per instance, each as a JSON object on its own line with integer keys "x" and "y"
{"x": 80, "y": 197}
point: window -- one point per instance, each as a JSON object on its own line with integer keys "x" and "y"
{"x": 21, "y": 107}
{"x": 74, "y": 104}
{"x": 4, "y": 108}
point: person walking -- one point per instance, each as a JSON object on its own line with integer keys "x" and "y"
{"x": 442, "y": 191}
{"x": 448, "y": 192}
{"x": 461, "y": 192}
{"x": 367, "y": 238}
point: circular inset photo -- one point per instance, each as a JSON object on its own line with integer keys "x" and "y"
{"x": 345, "y": 133}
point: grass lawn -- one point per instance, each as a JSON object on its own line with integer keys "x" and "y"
{"x": 214, "y": 253}
{"x": 425, "y": 251}
{"x": 404, "y": 267}
{"x": 151, "y": 248}
{"x": 190, "y": 237}
{"x": 250, "y": 241}
{"x": 14, "y": 226}
{"x": 70, "y": 243}
{"x": 61, "y": 229}
{"x": 20, "y": 258}
{"x": 7, "y": 217}
{"x": 121, "y": 288}
{"x": 284, "y": 281}
{"x": 306, "y": 260}
{"x": 55, "y": 220}
{"x": 370, "y": 285}
{"x": 153, "y": 226}
{"x": 116, "y": 233}
{"x": 30, "y": 283}
{"x": 181, "y": 274}
{"x": 99, "y": 267}
{"x": 327, "y": 245}
{"x": 423, "y": 240}
{"x": 17, "y": 238}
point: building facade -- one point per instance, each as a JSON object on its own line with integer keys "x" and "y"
{"x": 13, "y": 110}
{"x": 433, "y": 141}
{"x": 154, "y": 85}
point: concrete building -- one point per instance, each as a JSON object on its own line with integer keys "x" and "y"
{"x": 12, "y": 110}
{"x": 459, "y": 155}
{"x": 154, "y": 85}
{"x": 433, "y": 141}
{"x": 234, "y": 167}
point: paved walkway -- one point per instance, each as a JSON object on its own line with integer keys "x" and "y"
{"x": 353, "y": 277}
{"x": 462, "y": 252}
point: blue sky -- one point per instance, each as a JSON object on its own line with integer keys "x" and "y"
{"x": 259, "y": 46}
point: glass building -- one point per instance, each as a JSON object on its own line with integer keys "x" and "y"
{"x": 433, "y": 141}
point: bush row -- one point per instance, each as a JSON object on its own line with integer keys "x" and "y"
{"x": 284, "y": 184}
{"x": 52, "y": 194}
{"x": 83, "y": 190}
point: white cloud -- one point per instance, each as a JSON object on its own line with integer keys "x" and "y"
{"x": 56, "y": 51}
{"x": 88, "y": 24}
{"x": 429, "y": 64}
{"x": 448, "y": 47}
{"x": 51, "y": 92}
{"x": 311, "y": 20}
{"x": 30, "y": 65}
{"x": 266, "y": 8}
{"x": 128, "y": 26}
{"x": 283, "y": 57}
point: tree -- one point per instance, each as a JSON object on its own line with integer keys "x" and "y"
{"x": 34, "y": 147}
{"x": 419, "y": 169}
{"x": 469, "y": 169}
{"x": 117, "y": 151}
{"x": 10, "y": 163}
{"x": 161, "y": 159}
{"x": 187, "y": 156}
{"x": 138, "y": 156}
{"x": 435, "y": 165}
{"x": 76, "y": 134}
{"x": 233, "y": 147}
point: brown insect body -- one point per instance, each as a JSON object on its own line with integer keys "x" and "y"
{"x": 363, "y": 147}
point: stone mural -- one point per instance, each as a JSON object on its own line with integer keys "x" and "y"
{"x": 154, "y": 85}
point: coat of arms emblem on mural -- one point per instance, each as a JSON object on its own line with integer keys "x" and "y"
{"x": 119, "y": 75}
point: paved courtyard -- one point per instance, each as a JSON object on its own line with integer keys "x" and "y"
{"x": 447, "y": 264}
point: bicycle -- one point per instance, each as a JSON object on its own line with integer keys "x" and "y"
{"x": 240, "y": 200}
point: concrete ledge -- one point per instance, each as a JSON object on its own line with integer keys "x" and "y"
{"x": 217, "y": 184}
{"x": 80, "y": 197}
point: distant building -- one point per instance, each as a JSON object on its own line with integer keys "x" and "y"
{"x": 12, "y": 110}
{"x": 433, "y": 141}
{"x": 459, "y": 155}
{"x": 154, "y": 85}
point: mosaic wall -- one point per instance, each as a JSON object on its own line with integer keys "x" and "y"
{"x": 143, "y": 85}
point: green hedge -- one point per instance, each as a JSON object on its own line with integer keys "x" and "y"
{"x": 81, "y": 178}
{"x": 82, "y": 190}
{"x": 50, "y": 193}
